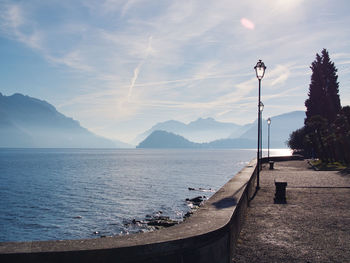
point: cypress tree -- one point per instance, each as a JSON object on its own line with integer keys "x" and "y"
{"x": 313, "y": 103}
{"x": 331, "y": 87}
{"x": 324, "y": 89}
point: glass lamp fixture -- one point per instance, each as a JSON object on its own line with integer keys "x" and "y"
{"x": 261, "y": 106}
{"x": 260, "y": 69}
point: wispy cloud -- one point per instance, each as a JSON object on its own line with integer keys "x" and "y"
{"x": 14, "y": 25}
{"x": 73, "y": 60}
{"x": 279, "y": 75}
{"x": 137, "y": 69}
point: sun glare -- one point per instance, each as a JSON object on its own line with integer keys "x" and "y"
{"x": 247, "y": 23}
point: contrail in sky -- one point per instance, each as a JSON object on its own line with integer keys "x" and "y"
{"x": 137, "y": 69}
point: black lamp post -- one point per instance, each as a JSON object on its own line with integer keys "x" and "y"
{"x": 261, "y": 130}
{"x": 259, "y": 71}
{"x": 268, "y": 139}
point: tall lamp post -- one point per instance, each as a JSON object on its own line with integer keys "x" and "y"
{"x": 259, "y": 71}
{"x": 268, "y": 139}
{"x": 261, "y": 130}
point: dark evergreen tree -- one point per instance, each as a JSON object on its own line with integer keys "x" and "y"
{"x": 316, "y": 95}
{"x": 326, "y": 133}
{"x": 331, "y": 87}
{"x": 324, "y": 89}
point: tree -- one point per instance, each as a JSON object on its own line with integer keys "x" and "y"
{"x": 324, "y": 89}
{"x": 297, "y": 139}
{"x": 326, "y": 131}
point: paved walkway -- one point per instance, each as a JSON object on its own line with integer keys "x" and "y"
{"x": 314, "y": 225}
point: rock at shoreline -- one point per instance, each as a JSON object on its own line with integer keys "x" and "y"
{"x": 196, "y": 201}
{"x": 161, "y": 221}
{"x": 188, "y": 214}
{"x": 151, "y": 222}
{"x": 158, "y": 221}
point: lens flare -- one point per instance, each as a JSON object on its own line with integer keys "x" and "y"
{"x": 247, "y": 23}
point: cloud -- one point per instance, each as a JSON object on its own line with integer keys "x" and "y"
{"x": 14, "y": 24}
{"x": 73, "y": 60}
{"x": 279, "y": 75}
{"x": 134, "y": 78}
{"x": 129, "y": 5}
{"x": 137, "y": 69}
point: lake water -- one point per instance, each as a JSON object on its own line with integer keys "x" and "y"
{"x": 50, "y": 194}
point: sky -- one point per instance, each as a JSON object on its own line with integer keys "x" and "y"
{"x": 121, "y": 66}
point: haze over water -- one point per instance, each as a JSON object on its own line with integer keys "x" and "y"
{"x": 48, "y": 194}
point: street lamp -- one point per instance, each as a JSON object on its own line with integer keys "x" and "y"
{"x": 259, "y": 71}
{"x": 268, "y": 139}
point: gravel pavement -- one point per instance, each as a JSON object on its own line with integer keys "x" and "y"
{"x": 314, "y": 225}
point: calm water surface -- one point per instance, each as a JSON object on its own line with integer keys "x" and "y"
{"x": 50, "y": 194}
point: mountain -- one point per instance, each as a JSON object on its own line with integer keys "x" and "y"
{"x": 170, "y": 126}
{"x": 231, "y": 144}
{"x": 201, "y": 130}
{"x": 164, "y": 139}
{"x": 240, "y": 131}
{"x": 11, "y": 135}
{"x": 30, "y": 122}
{"x": 281, "y": 127}
{"x": 209, "y": 129}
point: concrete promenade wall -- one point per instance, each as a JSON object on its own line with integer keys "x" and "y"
{"x": 209, "y": 235}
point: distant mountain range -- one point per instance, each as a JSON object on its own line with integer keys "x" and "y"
{"x": 201, "y": 130}
{"x": 172, "y": 134}
{"x": 30, "y": 122}
{"x": 164, "y": 139}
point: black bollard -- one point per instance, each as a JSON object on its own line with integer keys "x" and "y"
{"x": 271, "y": 164}
{"x": 280, "y": 195}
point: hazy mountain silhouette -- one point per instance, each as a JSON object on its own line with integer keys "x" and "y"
{"x": 164, "y": 139}
{"x": 281, "y": 126}
{"x": 201, "y": 130}
{"x": 231, "y": 143}
{"x": 30, "y": 122}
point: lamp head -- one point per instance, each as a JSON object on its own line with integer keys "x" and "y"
{"x": 260, "y": 69}
{"x": 261, "y": 106}
{"x": 268, "y": 121}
